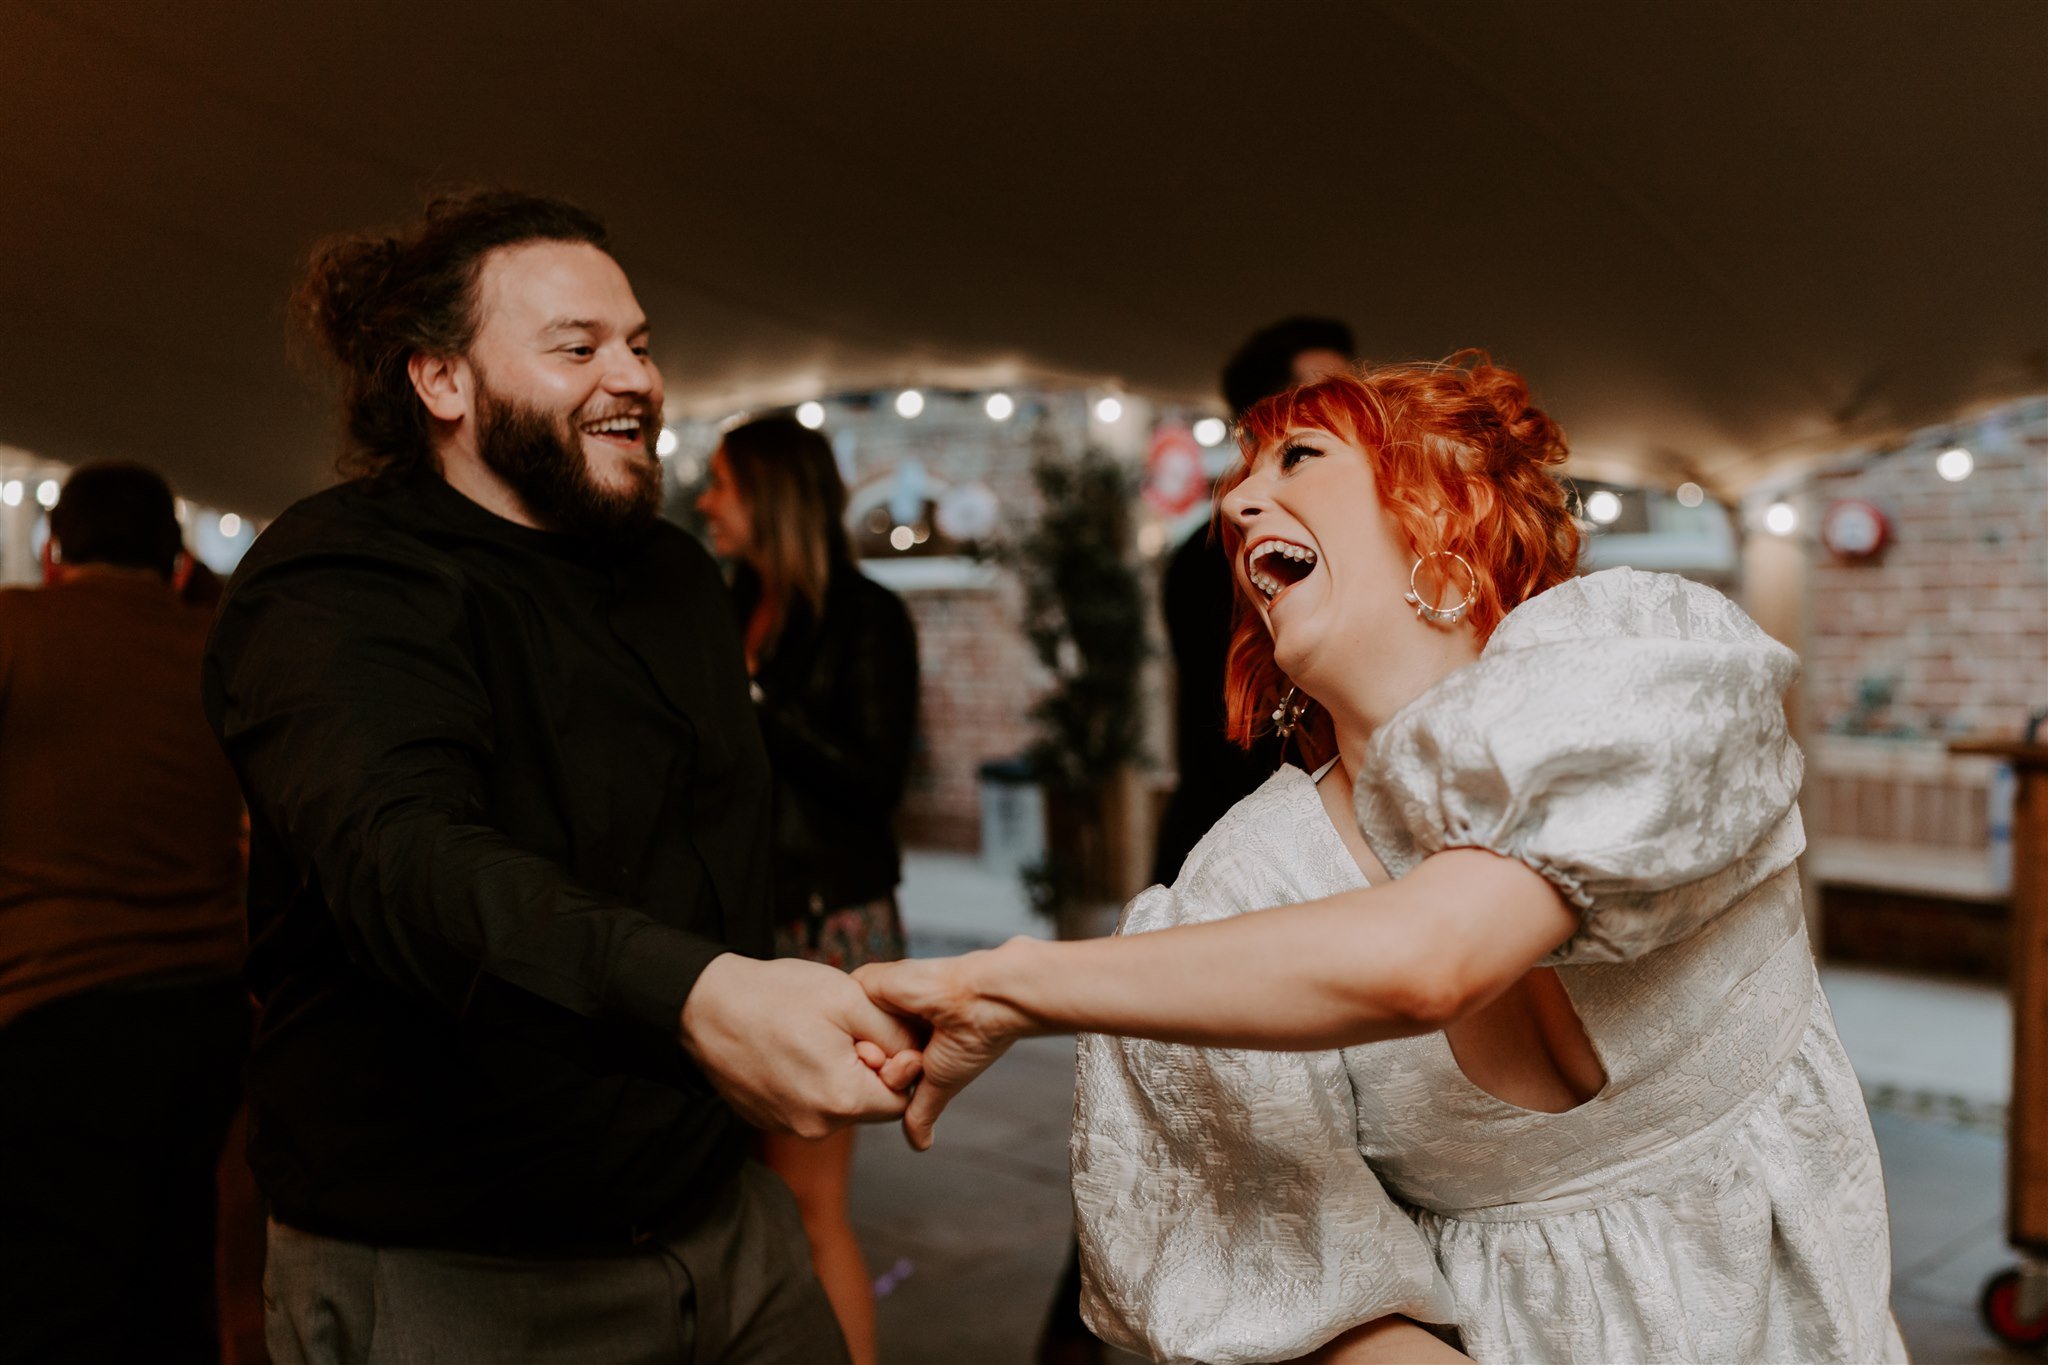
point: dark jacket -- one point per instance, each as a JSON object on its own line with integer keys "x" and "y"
{"x": 838, "y": 708}
{"x": 1215, "y": 773}
{"x": 507, "y": 799}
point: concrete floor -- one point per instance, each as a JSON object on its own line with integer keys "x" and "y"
{"x": 967, "y": 1240}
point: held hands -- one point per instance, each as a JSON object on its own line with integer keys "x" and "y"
{"x": 797, "y": 1047}
{"x": 968, "y": 1029}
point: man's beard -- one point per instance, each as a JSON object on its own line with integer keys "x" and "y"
{"x": 540, "y": 455}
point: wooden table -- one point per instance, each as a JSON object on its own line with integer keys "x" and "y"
{"x": 2026, "y": 1150}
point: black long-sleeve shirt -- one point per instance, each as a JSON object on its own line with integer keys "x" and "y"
{"x": 838, "y": 708}
{"x": 507, "y": 800}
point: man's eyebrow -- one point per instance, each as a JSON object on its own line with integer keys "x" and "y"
{"x": 591, "y": 325}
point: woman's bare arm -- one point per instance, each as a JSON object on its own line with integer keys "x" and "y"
{"x": 1392, "y": 1340}
{"x": 1381, "y": 962}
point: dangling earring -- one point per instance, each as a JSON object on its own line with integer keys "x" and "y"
{"x": 1287, "y": 715}
{"x": 1440, "y": 615}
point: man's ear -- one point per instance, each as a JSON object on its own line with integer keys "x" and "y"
{"x": 443, "y": 384}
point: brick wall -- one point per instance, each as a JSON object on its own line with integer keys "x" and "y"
{"x": 1953, "y": 613}
{"x": 979, "y": 679}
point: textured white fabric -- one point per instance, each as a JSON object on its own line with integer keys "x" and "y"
{"x": 1718, "y": 1200}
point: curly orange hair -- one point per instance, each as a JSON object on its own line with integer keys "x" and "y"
{"x": 1464, "y": 462}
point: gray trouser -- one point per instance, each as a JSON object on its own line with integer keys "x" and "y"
{"x": 734, "y": 1288}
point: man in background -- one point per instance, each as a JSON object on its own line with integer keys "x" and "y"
{"x": 122, "y": 1022}
{"x": 1196, "y": 599}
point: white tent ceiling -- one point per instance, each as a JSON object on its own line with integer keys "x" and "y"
{"x": 1719, "y": 236}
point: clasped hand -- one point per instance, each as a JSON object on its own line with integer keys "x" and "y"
{"x": 799, "y": 1047}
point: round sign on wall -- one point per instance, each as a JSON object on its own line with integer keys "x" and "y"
{"x": 1854, "y": 529}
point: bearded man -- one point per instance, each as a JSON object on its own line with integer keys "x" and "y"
{"x": 508, "y": 883}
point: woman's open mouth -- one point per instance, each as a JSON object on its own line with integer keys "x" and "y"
{"x": 1274, "y": 565}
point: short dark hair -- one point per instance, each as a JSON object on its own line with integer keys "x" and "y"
{"x": 122, "y": 514}
{"x": 373, "y": 300}
{"x": 1264, "y": 364}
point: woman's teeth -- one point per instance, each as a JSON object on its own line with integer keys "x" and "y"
{"x": 1276, "y": 565}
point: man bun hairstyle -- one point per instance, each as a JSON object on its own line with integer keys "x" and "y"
{"x": 373, "y": 300}
{"x": 118, "y": 514}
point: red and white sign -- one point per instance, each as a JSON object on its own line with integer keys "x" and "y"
{"x": 1174, "y": 481}
{"x": 1854, "y": 529}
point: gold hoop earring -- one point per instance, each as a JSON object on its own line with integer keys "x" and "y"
{"x": 1437, "y": 614}
{"x": 1287, "y": 715}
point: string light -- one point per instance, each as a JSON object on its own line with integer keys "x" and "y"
{"x": 1604, "y": 507}
{"x": 666, "y": 443}
{"x": 230, "y": 525}
{"x": 46, "y": 492}
{"x": 902, "y": 538}
{"x": 1109, "y": 410}
{"x": 1781, "y": 519}
{"x": 1955, "y": 464}
{"x": 1691, "y": 495}
{"x": 909, "y": 403}
{"x": 999, "y": 407}
{"x": 1210, "y": 431}
{"x": 10, "y": 492}
{"x": 811, "y": 414}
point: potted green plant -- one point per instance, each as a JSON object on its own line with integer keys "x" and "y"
{"x": 1085, "y": 617}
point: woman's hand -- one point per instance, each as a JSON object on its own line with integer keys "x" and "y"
{"x": 968, "y": 1028}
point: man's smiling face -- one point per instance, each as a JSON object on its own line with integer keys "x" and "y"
{"x": 567, "y": 401}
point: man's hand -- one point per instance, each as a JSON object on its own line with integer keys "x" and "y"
{"x": 795, "y": 1046}
{"x": 969, "y": 1030}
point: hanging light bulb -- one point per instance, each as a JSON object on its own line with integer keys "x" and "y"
{"x": 1781, "y": 519}
{"x": 1691, "y": 495}
{"x": 230, "y": 525}
{"x": 999, "y": 407}
{"x": 665, "y": 444}
{"x": 811, "y": 414}
{"x": 909, "y": 403}
{"x": 1604, "y": 507}
{"x": 46, "y": 493}
{"x": 1210, "y": 431}
{"x": 1955, "y": 464}
{"x": 10, "y": 492}
{"x": 1109, "y": 409}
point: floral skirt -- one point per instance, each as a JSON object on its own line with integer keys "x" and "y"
{"x": 846, "y": 938}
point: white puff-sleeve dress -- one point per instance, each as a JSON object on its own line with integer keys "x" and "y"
{"x": 1718, "y": 1200}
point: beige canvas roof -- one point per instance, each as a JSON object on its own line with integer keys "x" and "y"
{"x": 1719, "y": 236}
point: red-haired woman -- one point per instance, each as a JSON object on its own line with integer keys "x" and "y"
{"x": 1551, "y": 987}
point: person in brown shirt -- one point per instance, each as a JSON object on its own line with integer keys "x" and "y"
{"x": 122, "y": 1019}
